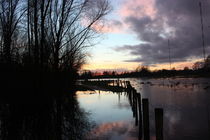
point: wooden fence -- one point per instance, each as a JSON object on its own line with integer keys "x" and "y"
{"x": 139, "y": 106}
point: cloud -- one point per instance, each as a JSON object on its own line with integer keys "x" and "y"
{"x": 138, "y": 8}
{"x": 156, "y": 21}
{"x": 109, "y": 26}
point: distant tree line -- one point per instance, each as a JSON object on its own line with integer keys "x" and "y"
{"x": 199, "y": 68}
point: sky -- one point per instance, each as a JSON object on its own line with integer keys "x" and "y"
{"x": 136, "y": 32}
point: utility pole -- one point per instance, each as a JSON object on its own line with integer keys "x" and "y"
{"x": 203, "y": 43}
{"x": 169, "y": 53}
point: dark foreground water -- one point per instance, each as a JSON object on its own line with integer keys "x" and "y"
{"x": 186, "y": 104}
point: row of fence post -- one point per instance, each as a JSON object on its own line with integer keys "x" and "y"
{"x": 119, "y": 83}
{"x": 140, "y": 108}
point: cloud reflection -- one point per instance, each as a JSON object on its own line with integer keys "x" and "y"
{"x": 115, "y": 130}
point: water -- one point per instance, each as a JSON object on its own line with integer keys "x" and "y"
{"x": 111, "y": 114}
{"x": 185, "y": 102}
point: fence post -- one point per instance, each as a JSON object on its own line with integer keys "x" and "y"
{"x": 140, "y": 115}
{"x": 159, "y": 123}
{"x": 135, "y": 107}
{"x": 146, "y": 119}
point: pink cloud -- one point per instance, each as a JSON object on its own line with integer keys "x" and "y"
{"x": 110, "y": 26}
{"x": 135, "y": 8}
{"x": 138, "y": 8}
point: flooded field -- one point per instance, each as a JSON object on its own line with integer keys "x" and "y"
{"x": 111, "y": 113}
{"x": 185, "y": 102}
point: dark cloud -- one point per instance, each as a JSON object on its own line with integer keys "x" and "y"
{"x": 176, "y": 20}
{"x": 116, "y": 23}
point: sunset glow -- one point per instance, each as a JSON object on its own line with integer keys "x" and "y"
{"x": 136, "y": 32}
{"x": 123, "y": 66}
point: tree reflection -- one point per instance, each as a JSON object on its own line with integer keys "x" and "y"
{"x": 40, "y": 121}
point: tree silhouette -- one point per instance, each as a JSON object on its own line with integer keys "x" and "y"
{"x": 9, "y": 20}
{"x": 42, "y": 47}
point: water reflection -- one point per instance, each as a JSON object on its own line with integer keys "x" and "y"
{"x": 111, "y": 113}
{"x": 185, "y": 102}
{"x": 106, "y": 108}
{"x": 42, "y": 120}
{"x": 116, "y": 131}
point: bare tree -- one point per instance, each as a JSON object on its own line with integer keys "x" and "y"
{"x": 59, "y": 30}
{"x": 54, "y": 35}
{"x": 70, "y": 24}
{"x": 10, "y": 16}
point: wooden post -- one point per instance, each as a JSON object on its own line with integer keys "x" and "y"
{"x": 135, "y": 107}
{"x": 159, "y": 123}
{"x": 133, "y": 103}
{"x": 129, "y": 96}
{"x": 131, "y": 99}
{"x": 146, "y": 119}
{"x": 128, "y": 85}
{"x": 121, "y": 83}
{"x": 118, "y": 82}
{"x": 125, "y": 85}
{"x": 140, "y": 116}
